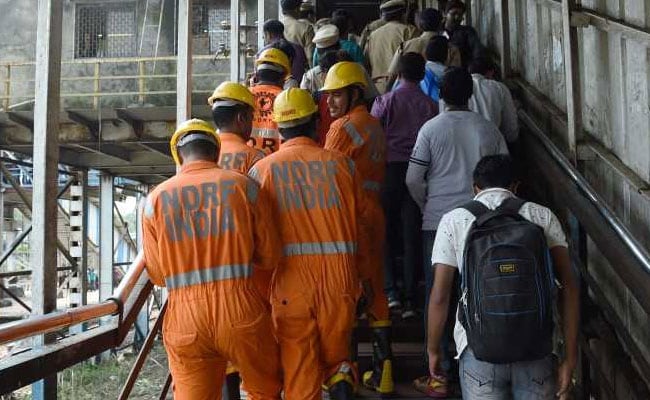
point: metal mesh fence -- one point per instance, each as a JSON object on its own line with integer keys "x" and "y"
{"x": 105, "y": 30}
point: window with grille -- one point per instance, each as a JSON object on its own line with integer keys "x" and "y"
{"x": 105, "y": 30}
{"x": 210, "y": 25}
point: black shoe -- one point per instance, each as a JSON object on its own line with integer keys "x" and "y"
{"x": 408, "y": 311}
{"x": 341, "y": 390}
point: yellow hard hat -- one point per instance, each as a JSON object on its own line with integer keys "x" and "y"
{"x": 293, "y": 107}
{"x": 274, "y": 56}
{"x": 228, "y": 93}
{"x": 344, "y": 74}
{"x": 189, "y": 131}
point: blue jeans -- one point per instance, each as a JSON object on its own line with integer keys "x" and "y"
{"x": 428, "y": 237}
{"x": 526, "y": 380}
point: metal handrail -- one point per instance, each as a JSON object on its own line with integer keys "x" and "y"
{"x": 41, "y": 324}
{"x": 635, "y": 277}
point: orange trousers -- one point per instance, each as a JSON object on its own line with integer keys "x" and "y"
{"x": 205, "y": 326}
{"x": 313, "y": 300}
{"x": 377, "y": 310}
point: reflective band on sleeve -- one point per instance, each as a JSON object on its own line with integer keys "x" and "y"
{"x": 372, "y": 185}
{"x": 354, "y": 134}
{"x": 252, "y": 189}
{"x": 316, "y": 248}
{"x": 214, "y": 274}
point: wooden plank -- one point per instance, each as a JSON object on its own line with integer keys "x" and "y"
{"x": 572, "y": 76}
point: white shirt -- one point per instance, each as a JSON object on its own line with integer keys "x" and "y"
{"x": 454, "y": 226}
{"x": 492, "y": 99}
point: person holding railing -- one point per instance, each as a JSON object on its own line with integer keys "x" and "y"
{"x": 206, "y": 231}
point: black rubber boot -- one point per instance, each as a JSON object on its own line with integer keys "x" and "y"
{"x": 380, "y": 378}
{"x": 230, "y": 389}
{"x": 341, "y": 390}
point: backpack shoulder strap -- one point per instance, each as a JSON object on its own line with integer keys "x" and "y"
{"x": 511, "y": 205}
{"x": 476, "y": 208}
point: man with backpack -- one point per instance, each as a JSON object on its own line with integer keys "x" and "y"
{"x": 507, "y": 252}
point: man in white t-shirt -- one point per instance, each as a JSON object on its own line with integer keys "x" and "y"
{"x": 493, "y": 183}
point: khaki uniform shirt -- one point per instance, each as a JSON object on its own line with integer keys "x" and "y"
{"x": 382, "y": 45}
{"x": 417, "y": 45}
{"x": 371, "y": 27}
{"x": 300, "y": 32}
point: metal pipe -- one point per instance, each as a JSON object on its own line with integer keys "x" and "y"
{"x": 16, "y": 298}
{"x": 142, "y": 356}
{"x": 28, "y": 272}
{"x": 640, "y": 253}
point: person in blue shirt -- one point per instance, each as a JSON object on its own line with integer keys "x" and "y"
{"x": 436, "y": 52}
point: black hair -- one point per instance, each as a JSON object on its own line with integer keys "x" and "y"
{"x": 307, "y": 129}
{"x": 199, "y": 149}
{"x": 327, "y": 60}
{"x": 455, "y": 4}
{"x": 274, "y": 27}
{"x": 350, "y": 23}
{"x": 306, "y": 13}
{"x": 269, "y": 75}
{"x": 340, "y": 12}
{"x": 410, "y": 66}
{"x": 289, "y": 5}
{"x": 393, "y": 14}
{"x": 223, "y": 116}
{"x": 497, "y": 171}
{"x": 343, "y": 55}
{"x": 341, "y": 22}
{"x": 480, "y": 65}
{"x": 437, "y": 49}
{"x": 286, "y": 47}
{"x": 457, "y": 86}
{"x": 429, "y": 19}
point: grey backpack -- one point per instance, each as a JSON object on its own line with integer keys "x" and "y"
{"x": 506, "y": 286}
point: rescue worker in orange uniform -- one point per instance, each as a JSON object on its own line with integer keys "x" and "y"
{"x": 271, "y": 68}
{"x": 359, "y": 135}
{"x": 233, "y": 106}
{"x": 205, "y": 231}
{"x": 318, "y": 205}
{"x": 232, "y": 112}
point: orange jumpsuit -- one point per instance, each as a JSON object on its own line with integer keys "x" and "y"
{"x": 235, "y": 154}
{"x": 360, "y": 136}
{"x": 205, "y": 231}
{"x": 318, "y": 202}
{"x": 265, "y": 135}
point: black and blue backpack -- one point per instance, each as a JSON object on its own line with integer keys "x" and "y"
{"x": 507, "y": 286}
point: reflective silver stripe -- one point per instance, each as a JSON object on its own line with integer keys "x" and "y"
{"x": 372, "y": 185}
{"x": 302, "y": 249}
{"x": 252, "y": 189}
{"x": 354, "y": 134}
{"x": 214, "y": 274}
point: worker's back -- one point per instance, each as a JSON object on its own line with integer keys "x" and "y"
{"x": 208, "y": 229}
{"x": 265, "y": 135}
{"x": 381, "y": 47}
{"x": 235, "y": 154}
{"x": 360, "y": 136}
{"x": 316, "y": 202}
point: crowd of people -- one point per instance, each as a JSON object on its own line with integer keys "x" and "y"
{"x": 345, "y": 171}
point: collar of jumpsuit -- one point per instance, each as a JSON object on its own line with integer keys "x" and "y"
{"x": 298, "y": 141}
{"x": 197, "y": 165}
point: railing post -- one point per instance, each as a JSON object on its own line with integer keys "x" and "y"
{"x": 141, "y": 82}
{"x": 47, "y": 104}
{"x": 96, "y": 86}
{"x": 5, "y": 102}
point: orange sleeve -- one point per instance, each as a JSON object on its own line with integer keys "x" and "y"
{"x": 364, "y": 221}
{"x": 150, "y": 244}
{"x": 266, "y": 237}
{"x": 337, "y": 139}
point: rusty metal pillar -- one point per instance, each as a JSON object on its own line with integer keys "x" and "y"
{"x": 46, "y": 155}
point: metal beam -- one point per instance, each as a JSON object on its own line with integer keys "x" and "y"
{"x": 106, "y": 230}
{"x": 107, "y": 149}
{"x": 46, "y": 156}
{"x": 83, "y": 177}
{"x": 234, "y": 41}
{"x": 572, "y": 77}
{"x": 184, "y": 62}
{"x": 608, "y": 24}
